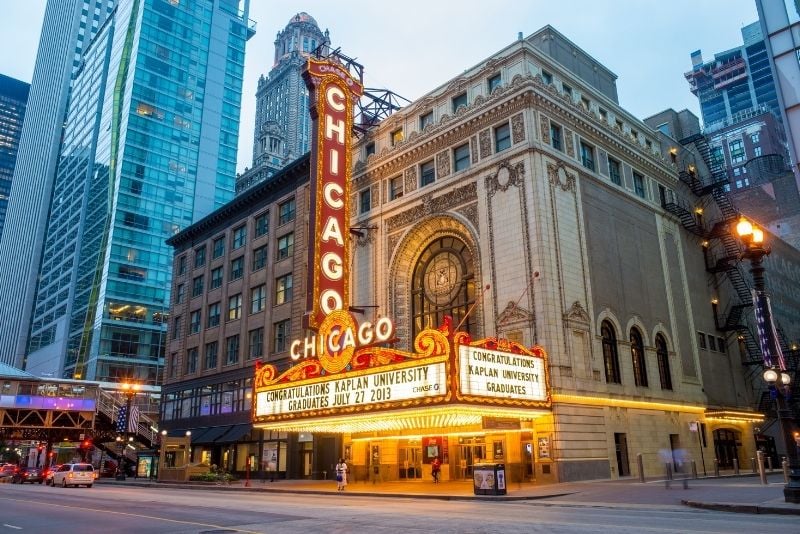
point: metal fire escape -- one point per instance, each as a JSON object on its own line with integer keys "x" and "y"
{"x": 723, "y": 257}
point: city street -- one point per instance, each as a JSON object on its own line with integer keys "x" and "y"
{"x": 110, "y": 507}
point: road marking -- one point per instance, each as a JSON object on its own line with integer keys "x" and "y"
{"x": 84, "y": 509}
{"x": 12, "y": 526}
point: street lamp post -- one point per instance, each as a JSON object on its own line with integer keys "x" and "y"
{"x": 755, "y": 250}
{"x": 130, "y": 392}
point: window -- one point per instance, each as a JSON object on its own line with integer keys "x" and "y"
{"x": 712, "y": 343}
{"x": 397, "y": 136}
{"x": 663, "y": 362}
{"x": 587, "y": 156}
{"x": 638, "y": 184}
{"x": 211, "y": 355}
{"x": 425, "y": 120}
{"x": 258, "y": 298}
{"x": 502, "y": 137}
{"x": 585, "y": 103}
{"x": 197, "y": 286}
{"x": 458, "y": 101}
{"x": 635, "y": 135}
{"x": 610, "y": 356}
{"x": 180, "y": 293}
{"x": 262, "y": 224}
{"x": 255, "y": 343}
{"x": 216, "y": 278}
{"x": 218, "y": 247}
{"x": 182, "y": 265}
{"x": 173, "y": 365}
{"x": 619, "y": 125}
{"x": 717, "y": 156}
{"x": 239, "y": 237}
{"x": 285, "y": 246}
{"x": 286, "y": 211}
{"x": 281, "y": 333}
{"x": 235, "y": 307}
{"x": 755, "y": 137}
{"x": 191, "y": 360}
{"x": 757, "y": 151}
{"x": 194, "y": 322}
{"x": 232, "y": 350}
{"x": 721, "y": 344}
{"x": 364, "y": 201}
{"x": 737, "y": 171}
{"x": 259, "y": 258}
{"x": 461, "y": 157}
{"x": 494, "y": 82}
{"x": 555, "y": 136}
{"x": 369, "y": 149}
{"x": 603, "y": 115}
{"x": 395, "y": 187}
{"x": 427, "y": 173}
{"x": 213, "y": 315}
{"x": 283, "y": 289}
{"x": 701, "y": 338}
{"x": 237, "y": 269}
{"x": 200, "y": 257}
{"x": 176, "y": 327}
{"x": 736, "y": 149}
{"x": 547, "y": 78}
{"x": 614, "y": 171}
{"x": 567, "y": 90}
{"x": 637, "y": 356}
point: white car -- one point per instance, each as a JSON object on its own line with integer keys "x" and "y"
{"x": 74, "y": 475}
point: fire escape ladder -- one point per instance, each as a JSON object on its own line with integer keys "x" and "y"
{"x": 685, "y": 214}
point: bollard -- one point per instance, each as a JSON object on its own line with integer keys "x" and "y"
{"x": 761, "y": 473}
{"x": 785, "y": 464}
{"x": 735, "y": 466}
{"x": 716, "y": 467}
{"x": 753, "y": 465}
{"x": 769, "y": 464}
{"x": 694, "y": 470}
{"x": 640, "y": 464}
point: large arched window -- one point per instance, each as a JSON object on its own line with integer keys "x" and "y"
{"x": 610, "y": 356}
{"x": 443, "y": 284}
{"x": 637, "y": 355}
{"x": 663, "y": 362}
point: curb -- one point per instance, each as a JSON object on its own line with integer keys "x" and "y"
{"x": 741, "y": 508}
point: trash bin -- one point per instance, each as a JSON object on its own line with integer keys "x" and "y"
{"x": 489, "y": 479}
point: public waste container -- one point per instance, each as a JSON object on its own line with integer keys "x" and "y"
{"x": 489, "y": 479}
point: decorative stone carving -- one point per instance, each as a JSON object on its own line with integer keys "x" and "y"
{"x": 470, "y": 213}
{"x": 485, "y": 140}
{"x": 442, "y": 164}
{"x": 410, "y": 180}
{"x": 392, "y": 242}
{"x": 558, "y": 175}
{"x": 367, "y": 237}
{"x": 353, "y": 204}
{"x": 479, "y": 101}
{"x": 569, "y": 142}
{"x": 517, "y": 129}
{"x": 506, "y": 176}
{"x": 431, "y": 204}
{"x": 513, "y": 314}
{"x": 375, "y": 194}
{"x": 544, "y": 127}
{"x": 473, "y": 148}
{"x": 577, "y": 313}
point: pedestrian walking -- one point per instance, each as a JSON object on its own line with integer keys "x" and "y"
{"x": 436, "y": 469}
{"x": 341, "y": 475}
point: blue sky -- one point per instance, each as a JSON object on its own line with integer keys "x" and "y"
{"x": 412, "y": 47}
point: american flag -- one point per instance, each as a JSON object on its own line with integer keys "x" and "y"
{"x": 132, "y": 421}
{"x": 767, "y": 336}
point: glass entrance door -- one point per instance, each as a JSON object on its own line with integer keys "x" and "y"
{"x": 470, "y": 451}
{"x": 410, "y": 458}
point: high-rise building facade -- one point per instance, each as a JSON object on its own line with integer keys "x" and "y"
{"x": 735, "y": 81}
{"x": 282, "y": 124}
{"x": 149, "y": 146}
{"x": 13, "y": 99}
{"x": 68, "y": 27}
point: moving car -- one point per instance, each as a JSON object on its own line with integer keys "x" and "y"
{"x": 28, "y": 474}
{"x": 48, "y": 473}
{"x": 74, "y": 475}
{"x": 8, "y": 470}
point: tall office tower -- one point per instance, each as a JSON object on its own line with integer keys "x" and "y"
{"x": 149, "y": 147}
{"x": 13, "y": 99}
{"x": 780, "y": 22}
{"x": 67, "y": 28}
{"x": 282, "y": 124}
{"x": 735, "y": 82}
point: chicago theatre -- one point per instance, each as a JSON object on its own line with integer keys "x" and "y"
{"x": 489, "y": 275}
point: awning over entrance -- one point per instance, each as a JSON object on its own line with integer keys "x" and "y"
{"x": 440, "y": 417}
{"x": 235, "y": 433}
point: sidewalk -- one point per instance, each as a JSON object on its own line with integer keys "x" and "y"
{"x": 727, "y": 493}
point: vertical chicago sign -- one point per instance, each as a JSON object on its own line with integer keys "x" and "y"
{"x": 332, "y": 96}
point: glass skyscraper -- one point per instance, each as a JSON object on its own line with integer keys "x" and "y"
{"x": 149, "y": 147}
{"x": 13, "y": 98}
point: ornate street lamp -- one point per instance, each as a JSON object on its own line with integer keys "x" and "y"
{"x": 129, "y": 390}
{"x": 755, "y": 250}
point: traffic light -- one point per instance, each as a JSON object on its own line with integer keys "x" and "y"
{"x": 86, "y": 444}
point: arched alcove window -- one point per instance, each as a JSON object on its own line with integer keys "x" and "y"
{"x": 443, "y": 283}
{"x": 610, "y": 356}
{"x": 637, "y": 356}
{"x": 662, "y": 355}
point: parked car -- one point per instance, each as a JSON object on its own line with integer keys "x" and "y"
{"x": 48, "y": 473}
{"x": 74, "y": 475}
{"x": 28, "y": 474}
{"x": 8, "y": 470}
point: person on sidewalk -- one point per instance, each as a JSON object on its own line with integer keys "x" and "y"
{"x": 341, "y": 475}
{"x": 436, "y": 469}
